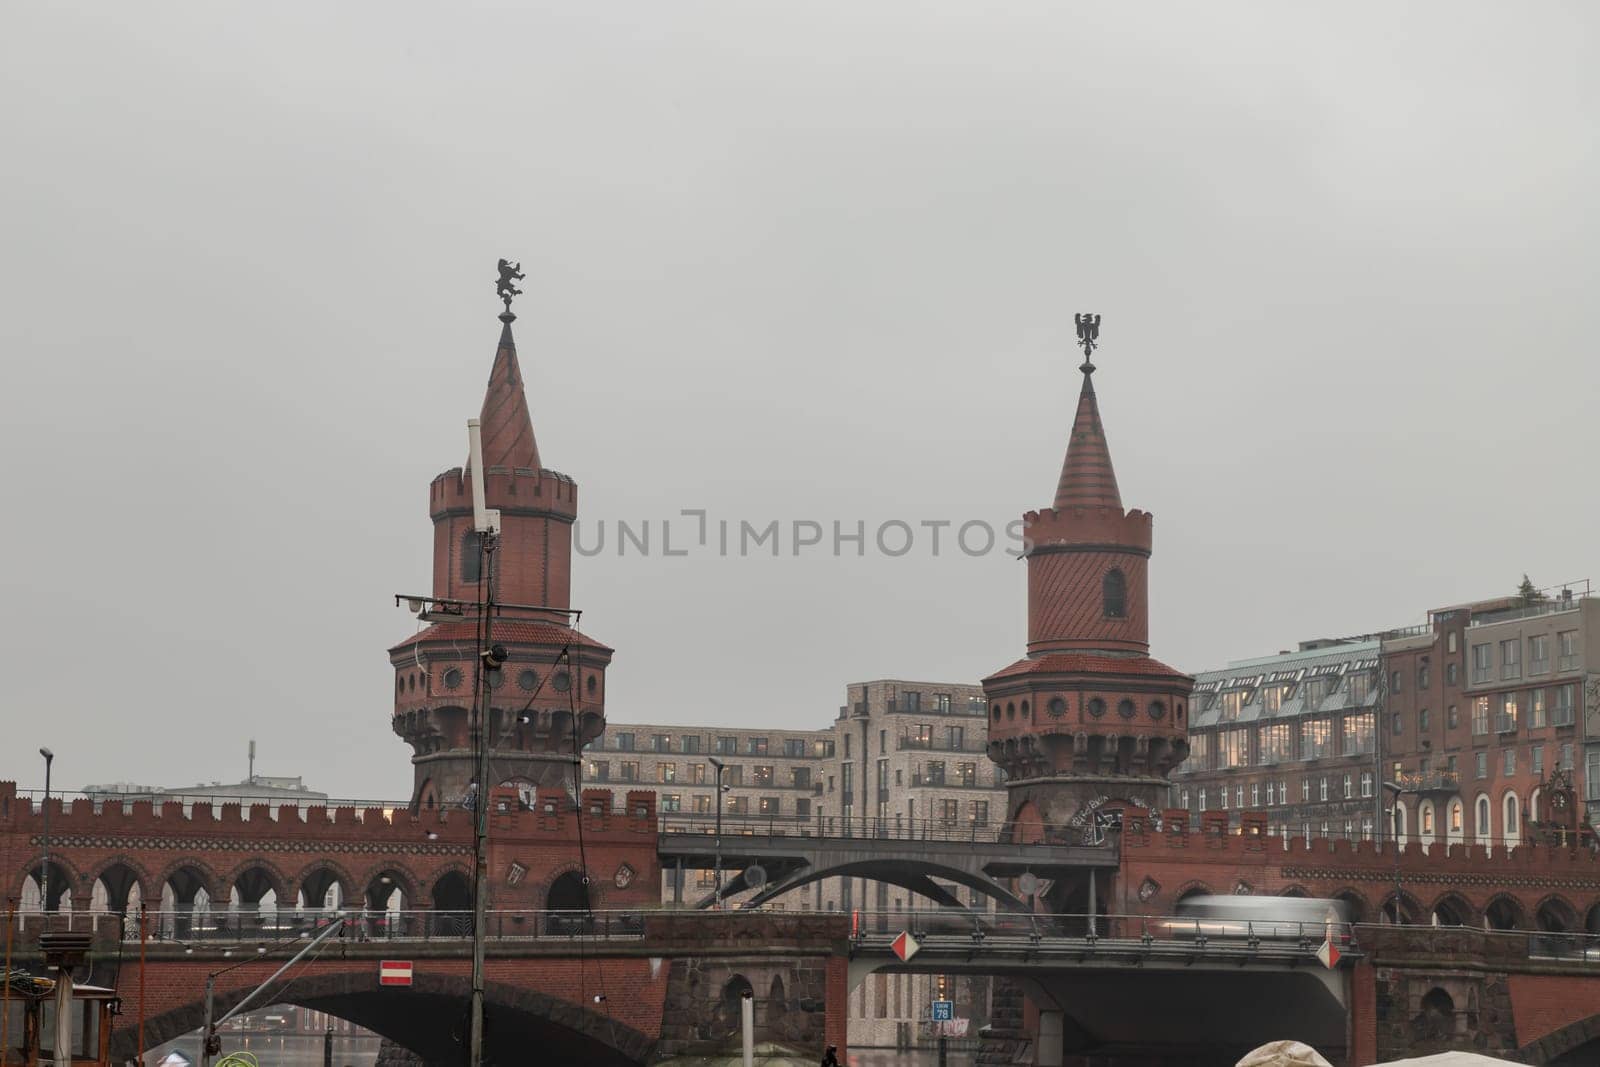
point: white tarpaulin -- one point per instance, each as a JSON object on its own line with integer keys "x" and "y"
{"x": 1449, "y": 1059}
{"x": 1294, "y": 1054}
{"x": 1283, "y": 1054}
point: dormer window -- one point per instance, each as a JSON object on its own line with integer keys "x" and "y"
{"x": 1114, "y": 591}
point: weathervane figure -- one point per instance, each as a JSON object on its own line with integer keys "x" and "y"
{"x": 512, "y": 272}
{"x": 1088, "y": 337}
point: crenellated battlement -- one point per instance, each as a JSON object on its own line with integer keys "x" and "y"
{"x": 512, "y": 490}
{"x": 551, "y": 815}
{"x": 1440, "y": 860}
{"x": 1106, "y": 527}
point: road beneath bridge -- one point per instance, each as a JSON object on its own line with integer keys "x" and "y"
{"x": 1136, "y": 986}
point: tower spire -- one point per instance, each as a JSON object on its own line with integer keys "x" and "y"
{"x": 1087, "y": 478}
{"x": 507, "y": 426}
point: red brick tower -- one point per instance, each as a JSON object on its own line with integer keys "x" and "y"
{"x": 1087, "y": 721}
{"x": 540, "y": 692}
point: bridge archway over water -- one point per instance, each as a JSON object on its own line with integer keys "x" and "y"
{"x": 522, "y": 1025}
{"x": 1574, "y": 1045}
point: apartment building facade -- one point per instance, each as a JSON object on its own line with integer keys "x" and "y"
{"x": 1468, "y": 716}
{"x": 1292, "y": 735}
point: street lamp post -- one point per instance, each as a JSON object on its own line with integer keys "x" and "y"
{"x": 717, "y": 861}
{"x": 44, "y": 872}
{"x": 1394, "y": 832}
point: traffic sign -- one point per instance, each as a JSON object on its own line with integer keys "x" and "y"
{"x": 944, "y": 1010}
{"x": 394, "y": 972}
{"x": 1328, "y": 954}
{"x": 905, "y": 946}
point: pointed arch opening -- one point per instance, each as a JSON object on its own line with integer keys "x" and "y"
{"x": 729, "y": 1006}
{"x": 116, "y": 891}
{"x": 1503, "y": 913}
{"x": 1451, "y": 910}
{"x": 185, "y": 902}
{"x": 1556, "y": 916}
{"x": 1355, "y": 902}
{"x": 34, "y": 889}
{"x": 452, "y": 905}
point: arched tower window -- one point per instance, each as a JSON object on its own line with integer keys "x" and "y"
{"x": 1115, "y": 593}
{"x": 471, "y": 557}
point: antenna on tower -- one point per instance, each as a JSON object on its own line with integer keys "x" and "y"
{"x": 252, "y": 777}
{"x": 484, "y": 519}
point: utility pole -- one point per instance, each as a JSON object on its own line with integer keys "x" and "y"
{"x": 717, "y": 800}
{"x": 210, "y": 1044}
{"x": 490, "y": 657}
{"x": 44, "y": 872}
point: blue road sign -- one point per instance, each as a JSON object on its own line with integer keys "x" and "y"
{"x": 944, "y": 1011}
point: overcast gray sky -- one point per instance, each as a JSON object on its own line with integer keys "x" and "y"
{"x": 805, "y": 261}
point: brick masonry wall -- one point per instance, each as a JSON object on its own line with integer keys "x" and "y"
{"x": 220, "y": 845}
{"x": 666, "y": 993}
{"x": 1158, "y": 867}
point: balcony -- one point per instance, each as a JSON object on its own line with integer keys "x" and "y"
{"x": 1553, "y": 606}
{"x": 919, "y": 780}
{"x": 1432, "y": 782}
{"x": 906, "y": 742}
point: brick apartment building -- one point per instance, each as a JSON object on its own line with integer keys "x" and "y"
{"x": 1468, "y": 714}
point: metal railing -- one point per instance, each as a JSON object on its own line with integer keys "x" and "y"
{"x": 952, "y": 782}
{"x": 911, "y": 742}
{"x": 1550, "y": 945}
{"x": 1432, "y": 782}
{"x": 1002, "y": 931}
{"x": 261, "y": 929}
{"x": 836, "y": 826}
{"x": 190, "y": 797}
{"x": 1551, "y": 606}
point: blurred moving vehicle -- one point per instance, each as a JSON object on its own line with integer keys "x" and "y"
{"x": 1262, "y": 918}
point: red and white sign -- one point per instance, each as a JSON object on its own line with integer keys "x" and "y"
{"x": 1328, "y": 954}
{"x": 394, "y": 972}
{"x": 905, "y": 946}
